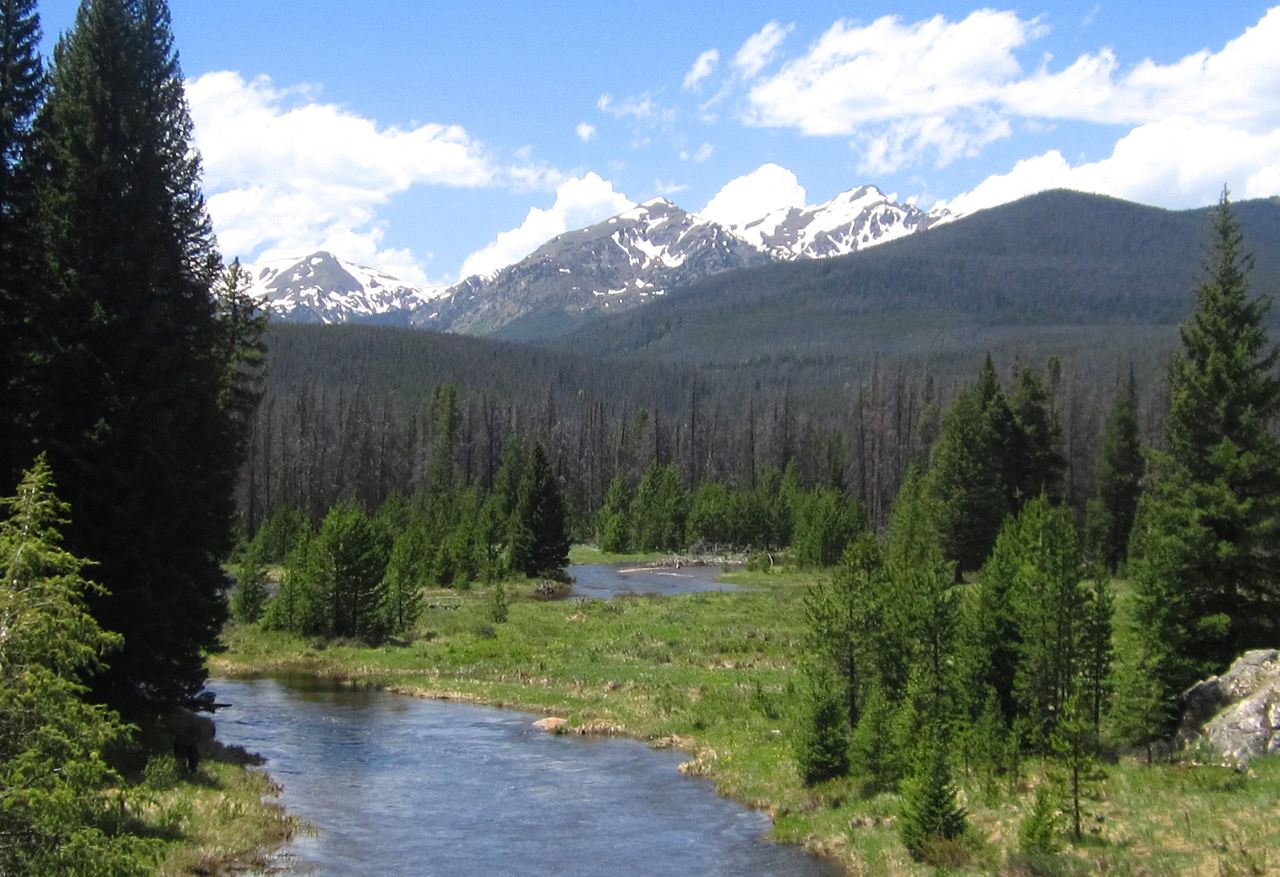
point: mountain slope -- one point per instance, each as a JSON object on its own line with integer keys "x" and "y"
{"x": 614, "y": 265}
{"x": 321, "y": 288}
{"x": 852, "y": 221}
{"x": 1060, "y": 271}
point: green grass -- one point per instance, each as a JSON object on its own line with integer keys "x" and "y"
{"x": 579, "y": 553}
{"x": 714, "y": 674}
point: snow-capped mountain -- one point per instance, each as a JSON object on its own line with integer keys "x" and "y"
{"x": 620, "y": 263}
{"x": 851, "y": 221}
{"x": 613, "y": 265}
{"x": 321, "y": 288}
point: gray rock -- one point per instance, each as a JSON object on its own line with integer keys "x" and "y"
{"x": 1237, "y": 714}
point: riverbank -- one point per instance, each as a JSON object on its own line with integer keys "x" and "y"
{"x": 713, "y": 674}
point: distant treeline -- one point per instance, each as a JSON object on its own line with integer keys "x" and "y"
{"x": 348, "y": 414}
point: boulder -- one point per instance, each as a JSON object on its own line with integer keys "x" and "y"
{"x": 551, "y": 724}
{"x": 1237, "y": 714}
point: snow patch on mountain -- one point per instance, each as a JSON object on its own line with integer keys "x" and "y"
{"x": 321, "y": 288}
{"x": 851, "y": 221}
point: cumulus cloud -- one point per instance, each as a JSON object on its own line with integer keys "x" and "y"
{"x": 586, "y": 133}
{"x": 288, "y": 173}
{"x": 906, "y": 90}
{"x": 703, "y": 66}
{"x": 1175, "y": 162}
{"x": 580, "y": 201}
{"x": 935, "y": 91}
{"x": 751, "y": 196}
{"x": 760, "y": 49}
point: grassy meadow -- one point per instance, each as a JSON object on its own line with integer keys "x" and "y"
{"x": 714, "y": 675}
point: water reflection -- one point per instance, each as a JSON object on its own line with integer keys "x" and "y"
{"x": 399, "y": 786}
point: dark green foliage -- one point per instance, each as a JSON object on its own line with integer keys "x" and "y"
{"x": 1034, "y": 462}
{"x": 660, "y": 510}
{"x": 613, "y": 529}
{"x": 824, "y": 523}
{"x": 1206, "y": 572}
{"x": 280, "y": 532}
{"x": 965, "y": 482}
{"x": 334, "y": 582}
{"x": 1117, "y": 480}
{"x": 930, "y": 811}
{"x": 52, "y": 818}
{"x": 540, "y": 536}
{"x": 872, "y": 752}
{"x": 407, "y": 568}
{"x": 131, "y": 365}
{"x": 21, "y": 90}
{"x": 822, "y": 739}
{"x": 249, "y": 598}
{"x": 846, "y": 620}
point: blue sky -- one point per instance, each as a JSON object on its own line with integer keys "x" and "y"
{"x": 438, "y": 139}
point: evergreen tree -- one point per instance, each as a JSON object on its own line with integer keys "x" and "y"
{"x": 660, "y": 510}
{"x": 131, "y": 362}
{"x": 930, "y": 811}
{"x": 822, "y": 742}
{"x": 53, "y": 819}
{"x": 351, "y": 558}
{"x": 21, "y": 90}
{"x": 1034, "y": 462}
{"x": 249, "y": 598}
{"x": 872, "y": 752}
{"x": 1076, "y": 745}
{"x": 825, "y": 522}
{"x": 845, "y": 618}
{"x": 613, "y": 529}
{"x": 541, "y": 546}
{"x": 965, "y": 482}
{"x": 1217, "y": 490}
{"x": 1118, "y": 481}
{"x": 407, "y": 567}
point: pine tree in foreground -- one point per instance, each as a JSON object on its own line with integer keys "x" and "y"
{"x": 930, "y": 811}
{"x": 53, "y": 817}
{"x": 1207, "y": 568}
{"x": 133, "y": 364}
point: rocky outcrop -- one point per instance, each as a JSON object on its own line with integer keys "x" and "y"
{"x": 1237, "y": 714}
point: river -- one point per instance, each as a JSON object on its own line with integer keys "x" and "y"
{"x": 599, "y": 581}
{"x": 400, "y": 786}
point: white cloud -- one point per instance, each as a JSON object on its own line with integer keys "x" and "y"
{"x": 586, "y": 133}
{"x": 285, "y": 172}
{"x": 703, "y": 67}
{"x": 760, "y": 49}
{"x": 579, "y": 201}
{"x": 1175, "y": 162}
{"x": 905, "y": 91}
{"x": 664, "y": 188}
{"x": 699, "y": 155}
{"x": 640, "y": 107}
{"x": 751, "y": 196}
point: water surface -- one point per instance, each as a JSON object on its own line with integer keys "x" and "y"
{"x": 600, "y": 581}
{"x": 401, "y": 786}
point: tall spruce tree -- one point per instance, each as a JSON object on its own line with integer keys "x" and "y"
{"x": 21, "y": 90}
{"x": 1118, "y": 480}
{"x": 541, "y": 546}
{"x": 1208, "y": 574}
{"x": 965, "y": 482}
{"x": 133, "y": 368}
